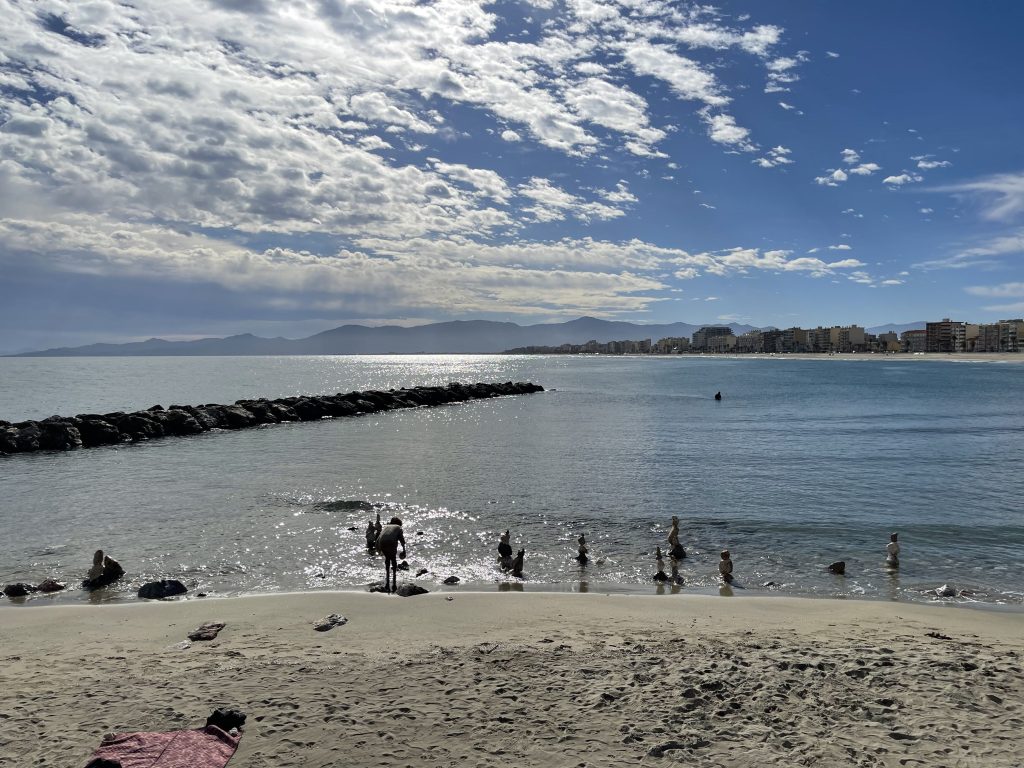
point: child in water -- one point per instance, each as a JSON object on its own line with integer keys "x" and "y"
{"x": 725, "y": 567}
{"x": 892, "y": 552}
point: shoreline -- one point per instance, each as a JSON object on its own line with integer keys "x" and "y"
{"x": 597, "y": 589}
{"x": 544, "y": 679}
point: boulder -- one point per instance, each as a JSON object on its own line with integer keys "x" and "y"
{"x": 452, "y": 580}
{"x": 158, "y": 590}
{"x": 28, "y": 436}
{"x": 57, "y": 434}
{"x": 410, "y": 590}
{"x": 8, "y": 439}
{"x": 51, "y": 585}
{"x": 95, "y": 430}
{"x": 18, "y": 590}
{"x": 330, "y": 622}
{"x": 838, "y": 567}
{"x": 139, "y": 426}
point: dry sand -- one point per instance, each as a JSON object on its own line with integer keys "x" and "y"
{"x": 524, "y": 680}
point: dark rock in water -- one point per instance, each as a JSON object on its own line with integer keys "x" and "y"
{"x": 402, "y": 566}
{"x": 206, "y": 631}
{"x": 410, "y": 590}
{"x": 838, "y": 568}
{"x": 51, "y": 585}
{"x": 89, "y": 430}
{"x": 157, "y": 590}
{"x": 345, "y": 505}
{"x": 946, "y": 590}
{"x": 330, "y": 622}
{"x": 661, "y": 577}
{"x": 421, "y": 572}
{"x": 18, "y": 590}
{"x": 95, "y": 430}
{"x": 420, "y": 533}
{"x": 452, "y": 580}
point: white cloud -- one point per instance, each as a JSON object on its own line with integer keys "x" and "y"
{"x": 840, "y": 247}
{"x": 903, "y": 178}
{"x": 850, "y": 156}
{"x": 724, "y": 130}
{"x": 776, "y": 156}
{"x": 834, "y": 178}
{"x": 891, "y": 281}
{"x": 927, "y": 210}
{"x": 925, "y": 163}
{"x": 865, "y": 169}
{"x": 509, "y": 135}
{"x": 1004, "y": 291}
{"x": 987, "y": 252}
{"x": 1001, "y": 195}
{"x": 832, "y": 54}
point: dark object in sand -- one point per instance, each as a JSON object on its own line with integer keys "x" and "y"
{"x": 86, "y": 430}
{"x": 330, "y": 622}
{"x": 157, "y": 590}
{"x": 838, "y": 568}
{"x": 402, "y": 566}
{"x": 51, "y": 585}
{"x": 452, "y": 580}
{"x": 206, "y": 631}
{"x": 226, "y": 719}
{"x": 102, "y": 762}
{"x": 18, "y": 590}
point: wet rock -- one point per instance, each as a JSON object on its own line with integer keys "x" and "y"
{"x": 18, "y": 590}
{"x": 946, "y": 590}
{"x": 206, "y": 631}
{"x": 838, "y": 568}
{"x": 452, "y": 580}
{"x": 403, "y": 566}
{"x": 158, "y": 590}
{"x": 51, "y": 585}
{"x": 421, "y": 572}
{"x": 410, "y": 590}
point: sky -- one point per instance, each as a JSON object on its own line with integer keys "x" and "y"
{"x": 210, "y": 167}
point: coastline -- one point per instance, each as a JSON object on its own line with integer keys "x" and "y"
{"x": 467, "y": 678}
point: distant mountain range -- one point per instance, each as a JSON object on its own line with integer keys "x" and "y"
{"x": 456, "y": 337}
{"x": 891, "y": 328}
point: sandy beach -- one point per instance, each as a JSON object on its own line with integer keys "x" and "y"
{"x": 524, "y": 679}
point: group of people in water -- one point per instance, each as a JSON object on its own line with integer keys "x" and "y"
{"x": 386, "y": 538}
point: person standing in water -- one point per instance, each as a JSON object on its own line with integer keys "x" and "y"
{"x": 505, "y": 550}
{"x": 371, "y": 534}
{"x": 581, "y": 555}
{"x": 390, "y": 537}
{"x": 725, "y": 567}
{"x": 892, "y": 552}
{"x": 676, "y": 551}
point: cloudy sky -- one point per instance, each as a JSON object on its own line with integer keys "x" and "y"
{"x": 207, "y": 167}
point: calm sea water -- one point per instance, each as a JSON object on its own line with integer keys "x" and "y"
{"x": 802, "y": 463}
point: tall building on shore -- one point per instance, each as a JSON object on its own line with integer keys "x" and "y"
{"x": 945, "y": 336}
{"x": 713, "y": 338}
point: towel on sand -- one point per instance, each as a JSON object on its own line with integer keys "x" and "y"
{"x": 208, "y": 747}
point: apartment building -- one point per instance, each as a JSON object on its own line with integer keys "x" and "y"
{"x": 704, "y": 338}
{"x": 914, "y": 341}
{"x": 945, "y": 336}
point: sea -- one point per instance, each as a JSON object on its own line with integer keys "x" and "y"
{"x": 803, "y": 462}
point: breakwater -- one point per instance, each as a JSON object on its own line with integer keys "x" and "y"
{"x": 88, "y": 430}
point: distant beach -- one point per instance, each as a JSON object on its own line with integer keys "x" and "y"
{"x": 530, "y": 680}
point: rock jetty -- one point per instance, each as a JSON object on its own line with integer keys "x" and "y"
{"x": 87, "y": 430}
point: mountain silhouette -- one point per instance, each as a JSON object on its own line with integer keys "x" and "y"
{"x": 453, "y": 337}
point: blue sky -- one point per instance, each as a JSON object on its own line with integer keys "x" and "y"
{"x": 206, "y": 168}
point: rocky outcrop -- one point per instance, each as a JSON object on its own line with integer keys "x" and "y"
{"x": 18, "y": 590}
{"x": 157, "y": 590}
{"x": 88, "y": 430}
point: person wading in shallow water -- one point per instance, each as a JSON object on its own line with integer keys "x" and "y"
{"x": 390, "y": 537}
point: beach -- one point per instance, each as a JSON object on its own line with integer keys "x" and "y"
{"x": 473, "y": 679}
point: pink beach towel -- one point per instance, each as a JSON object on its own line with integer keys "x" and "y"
{"x": 208, "y": 747}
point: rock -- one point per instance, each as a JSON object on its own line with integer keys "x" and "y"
{"x": 452, "y": 580}
{"x": 946, "y": 590}
{"x": 95, "y": 430}
{"x": 421, "y": 572}
{"x": 18, "y": 590}
{"x": 402, "y": 566}
{"x": 51, "y": 585}
{"x": 206, "y": 631}
{"x": 838, "y": 568}
{"x": 158, "y": 590}
{"x": 410, "y": 590}
{"x": 330, "y": 622}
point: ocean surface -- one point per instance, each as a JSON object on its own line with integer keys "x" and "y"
{"x": 802, "y": 463}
